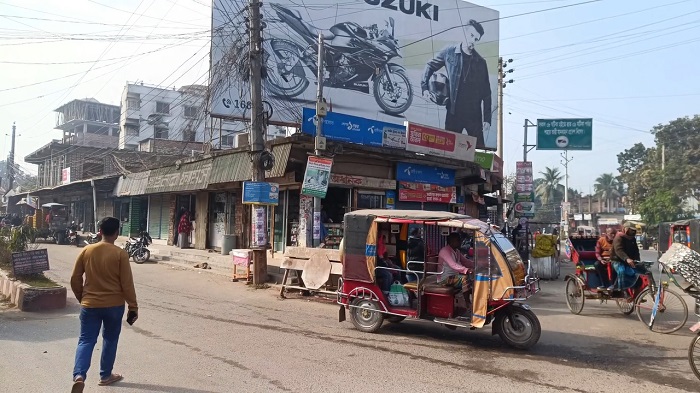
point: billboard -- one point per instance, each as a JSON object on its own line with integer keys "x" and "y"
{"x": 440, "y": 143}
{"x": 565, "y": 134}
{"x": 524, "y": 196}
{"x": 352, "y": 129}
{"x": 429, "y": 62}
{"x": 417, "y": 173}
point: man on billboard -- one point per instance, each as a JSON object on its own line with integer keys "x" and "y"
{"x": 465, "y": 91}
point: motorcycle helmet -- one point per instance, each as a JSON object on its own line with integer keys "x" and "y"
{"x": 439, "y": 88}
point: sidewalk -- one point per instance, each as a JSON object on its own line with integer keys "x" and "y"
{"x": 219, "y": 264}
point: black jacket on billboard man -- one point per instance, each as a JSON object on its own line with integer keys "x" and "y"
{"x": 469, "y": 86}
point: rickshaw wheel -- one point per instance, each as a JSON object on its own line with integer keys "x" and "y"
{"x": 394, "y": 318}
{"x": 518, "y": 327}
{"x": 365, "y": 315}
{"x": 625, "y": 305}
{"x": 694, "y": 355}
{"x": 575, "y": 298}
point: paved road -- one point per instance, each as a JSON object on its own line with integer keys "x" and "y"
{"x": 200, "y": 333}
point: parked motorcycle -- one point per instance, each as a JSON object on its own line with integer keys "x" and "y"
{"x": 137, "y": 247}
{"x": 93, "y": 238}
{"x": 72, "y": 234}
{"x": 353, "y": 55}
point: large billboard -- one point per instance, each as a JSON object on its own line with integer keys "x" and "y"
{"x": 427, "y": 62}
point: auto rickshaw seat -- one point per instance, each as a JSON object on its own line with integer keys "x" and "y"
{"x": 411, "y": 286}
{"x": 430, "y": 285}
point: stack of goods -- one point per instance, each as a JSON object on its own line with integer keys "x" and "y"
{"x": 545, "y": 246}
{"x": 685, "y": 260}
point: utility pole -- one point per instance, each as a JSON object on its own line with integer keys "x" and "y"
{"x": 11, "y": 161}
{"x": 257, "y": 143}
{"x": 526, "y": 147}
{"x": 502, "y": 71}
{"x": 319, "y": 141}
{"x": 565, "y": 162}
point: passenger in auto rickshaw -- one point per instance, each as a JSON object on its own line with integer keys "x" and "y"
{"x": 454, "y": 267}
{"x": 624, "y": 254}
{"x": 603, "y": 252}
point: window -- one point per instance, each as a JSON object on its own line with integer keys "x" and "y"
{"x": 227, "y": 140}
{"x": 131, "y": 130}
{"x": 161, "y": 133}
{"x": 191, "y": 112}
{"x": 189, "y": 135}
{"x": 162, "y": 107}
{"x": 133, "y": 103}
{"x": 99, "y": 130}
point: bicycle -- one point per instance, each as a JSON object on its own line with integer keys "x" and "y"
{"x": 659, "y": 302}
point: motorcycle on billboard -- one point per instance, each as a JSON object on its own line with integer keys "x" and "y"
{"x": 354, "y": 57}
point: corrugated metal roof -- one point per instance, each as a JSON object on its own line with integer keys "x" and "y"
{"x": 190, "y": 176}
{"x": 132, "y": 184}
{"x": 237, "y": 166}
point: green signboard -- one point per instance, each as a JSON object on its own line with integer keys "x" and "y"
{"x": 485, "y": 160}
{"x": 524, "y": 204}
{"x": 565, "y": 134}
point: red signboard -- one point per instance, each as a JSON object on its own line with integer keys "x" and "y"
{"x": 437, "y": 142}
{"x": 417, "y": 192}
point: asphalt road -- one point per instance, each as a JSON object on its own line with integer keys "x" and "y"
{"x": 199, "y": 332}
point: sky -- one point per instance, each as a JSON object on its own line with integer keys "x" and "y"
{"x": 628, "y": 64}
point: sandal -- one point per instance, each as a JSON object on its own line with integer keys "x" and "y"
{"x": 112, "y": 379}
{"x": 78, "y": 385}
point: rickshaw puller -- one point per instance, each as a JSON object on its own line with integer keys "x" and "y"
{"x": 625, "y": 252}
{"x": 603, "y": 252}
{"x": 454, "y": 266}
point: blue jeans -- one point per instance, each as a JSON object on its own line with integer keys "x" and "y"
{"x": 91, "y": 319}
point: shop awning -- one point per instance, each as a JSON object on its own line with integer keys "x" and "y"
{"x": 190, "y": 176}
{"x": 132, "y": 184}
{"x": 236, "y": 167}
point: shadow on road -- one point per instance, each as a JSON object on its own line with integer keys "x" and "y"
{"x": 146, "y": 387}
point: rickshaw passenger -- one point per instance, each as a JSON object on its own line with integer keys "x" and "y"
{"x": 453, "y": 265}
{"x": 385, "y": 277}
{"x": 625, "y": 252}
{"x": 416, "y": 252}
{"x": 603, "y": 252}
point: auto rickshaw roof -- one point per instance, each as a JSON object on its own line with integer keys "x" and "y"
{"x": 52, "y": 204}
{"x": 449, "y": 219}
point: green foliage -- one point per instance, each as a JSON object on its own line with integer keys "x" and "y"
{"x": 548, "y": 189}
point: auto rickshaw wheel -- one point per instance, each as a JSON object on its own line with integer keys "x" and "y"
{"x": 518, "y": 327}
{"x": 394, "y": 318}
{"x": 575, "y": 298}
{"x": 365, "y": 315}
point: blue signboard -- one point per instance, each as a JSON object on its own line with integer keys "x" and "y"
{"x": 416, "y": 173}
{"x": 390, "y": 199}
{"x": 353, "y": 129}
{"x": 260, "y": 193}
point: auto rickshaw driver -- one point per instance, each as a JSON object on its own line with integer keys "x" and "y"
{"x": 454, "y": 267}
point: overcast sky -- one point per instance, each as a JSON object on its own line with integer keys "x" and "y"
{"x": 628, "y": 64}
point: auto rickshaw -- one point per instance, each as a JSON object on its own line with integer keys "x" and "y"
{"x": 498, "y": 284}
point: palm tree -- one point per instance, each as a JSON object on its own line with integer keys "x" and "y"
{"x": 549, "y": 188}
{"x": 607, "y": 187}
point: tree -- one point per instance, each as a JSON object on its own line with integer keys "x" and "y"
{"x": 23, "y": 179}
{"x": 549, "y": 188}
{"x": 606, "y": 187}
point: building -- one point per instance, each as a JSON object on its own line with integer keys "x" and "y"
{"x": 154, "y": 113}
{"x": 88, "y": 122}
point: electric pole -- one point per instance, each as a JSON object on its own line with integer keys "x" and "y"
{"x": 257, "y": 142}
{"x": 502, "y": 71}
{"x": 11, "y": 161}
{"x": 319, "y": 143}
{"x": 565, "y": 162}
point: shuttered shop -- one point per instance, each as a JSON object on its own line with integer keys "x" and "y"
{"x": 158, "y": 216}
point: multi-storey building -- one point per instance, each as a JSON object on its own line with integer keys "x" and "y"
{"x": 88, "y": 122}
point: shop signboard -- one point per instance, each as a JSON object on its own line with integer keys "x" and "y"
{"x": 408, "y": 47}
{"x": 260, "y": 193}
{"x": 417, "y": 173}
{"x": 65, "y": 176}
{"x": 390, "y": 199}
{"x": 417, "y": 192}
{"x": 564, "y": 134}
{"x": 497, "y": 167}
{"x": 362, "y": 182}
{"x": 485, "y": 160}
{"x": 353, "y": 129}
{"x": 317, "y": 176}
{"x": 30, "y": 262}
{"x": 436, "y": 142}
{"x": 524, "y": 198}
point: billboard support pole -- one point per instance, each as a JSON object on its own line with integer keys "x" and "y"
{"x": 257, "y": 143}
{"x": 319, "y": 142}
{"x": 526, "y": 147}
{"x": 565, "y": 162}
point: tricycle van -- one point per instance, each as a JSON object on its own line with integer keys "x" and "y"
{"x": 657, "y": 306}
{"x": 376, "y": 245}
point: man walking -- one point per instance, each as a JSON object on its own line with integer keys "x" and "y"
{"x": 469, "y": 104}
{"x": 107, "y": 286}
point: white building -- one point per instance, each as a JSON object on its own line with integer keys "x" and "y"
{"x": 151, "y": 113}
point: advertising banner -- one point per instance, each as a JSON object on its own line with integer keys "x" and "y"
{"x": 258, "y": 228}
{"x": 485, "y": 160}
{"x": 65, "y": 176}
{"x": 524, "y": 196}
{"x": 353, "y": 129}
{"x": 390, "y": 199}
{"x": 426, "y": 174}
{"x": 430, "y": 62}
{"x": 565, "y": 134}
{"x": 317, "y": 176}
{"x": 416, "y": 192}
{"x": 260, "y": 193}
{"x": 440, "y": 143}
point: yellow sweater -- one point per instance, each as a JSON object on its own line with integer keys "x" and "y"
{"x": 108, "y": 280}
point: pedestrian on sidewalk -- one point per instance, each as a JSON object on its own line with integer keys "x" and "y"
{"x": 107, "y": 286}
